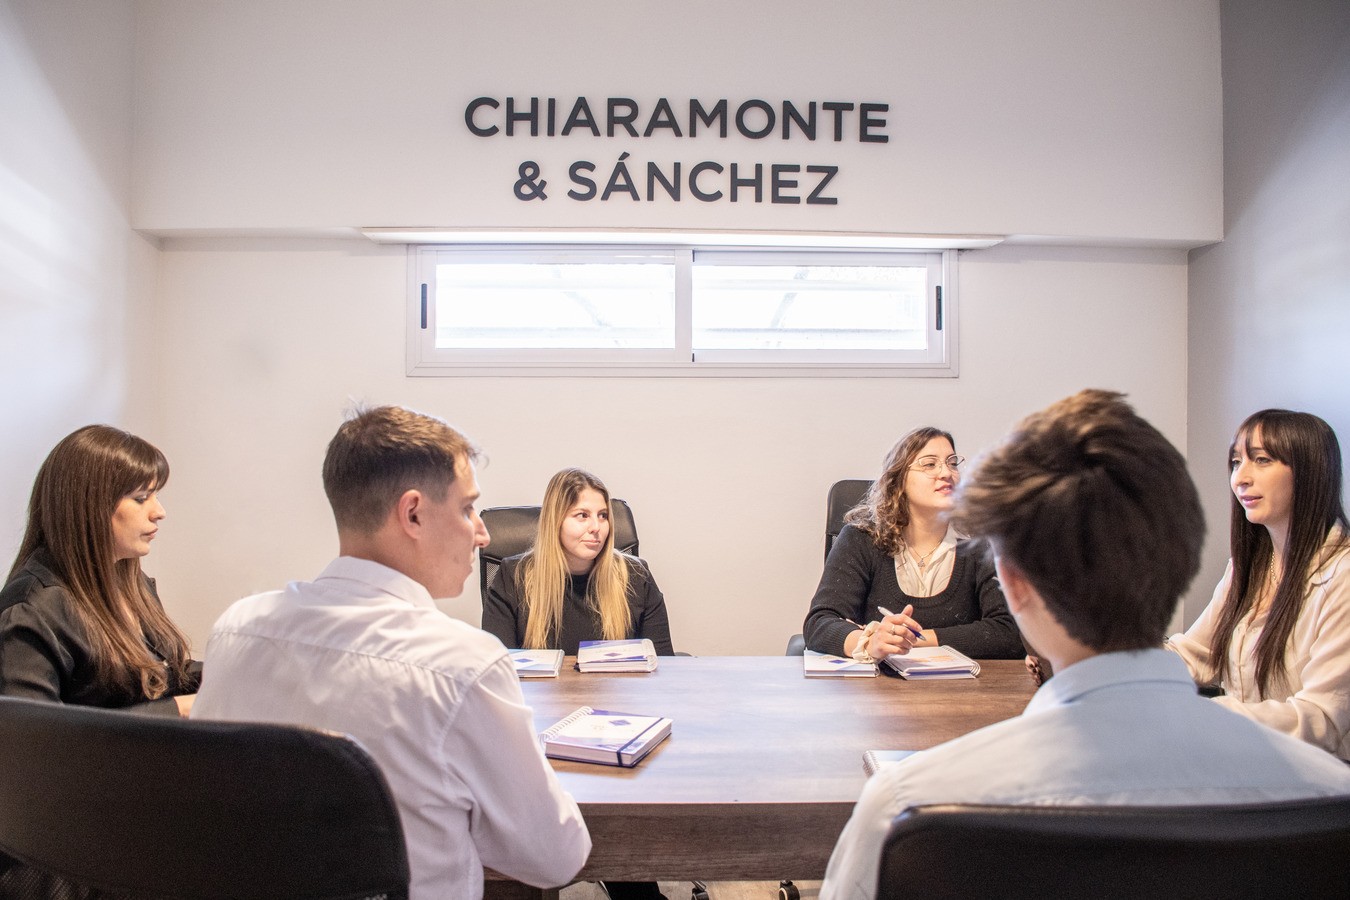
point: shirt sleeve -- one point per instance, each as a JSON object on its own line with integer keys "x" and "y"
{"x": 501, "y": 607}
{"x": 855, "y": 864}
{"x": 653, "y": 622}
{"x": 34, "y": 660}
{"x": 845, "y": 586}
{"x": 1318, "y": 712}
{"x": 1193, "y": 646}
{"x": 523, "y": 823}
{"x": 994, "y": 635}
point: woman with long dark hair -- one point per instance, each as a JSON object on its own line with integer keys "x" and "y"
{"x": 1276, "y": 634}
{"x": 79, "y": 622}
{"x": 898, "y": 567}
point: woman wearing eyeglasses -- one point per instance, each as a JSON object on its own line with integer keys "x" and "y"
{"x": 898, "y": 577}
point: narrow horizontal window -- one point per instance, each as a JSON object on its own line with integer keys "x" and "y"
{"x": 577, "y": 305}
{"x": 679, "y": 310}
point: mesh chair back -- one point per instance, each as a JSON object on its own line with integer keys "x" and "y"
{"x": 512, "y": 530}
{"x": 101, "y": 803}
{"x": 843, "y": 496}
{"x": 1289, "y": 849}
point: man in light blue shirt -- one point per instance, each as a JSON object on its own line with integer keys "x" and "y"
{"x": 1096, "y": 530}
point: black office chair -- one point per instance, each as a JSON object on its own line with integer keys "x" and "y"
{"x": 1292, "y": 849}
{"x": 512, "y": 530}
{"x": 843, "y": 496}
{"x": 105, "y": 803}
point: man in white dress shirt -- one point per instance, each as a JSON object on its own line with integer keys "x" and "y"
{"x": 363, "y": 649}
{"x": 1096, "y": 531}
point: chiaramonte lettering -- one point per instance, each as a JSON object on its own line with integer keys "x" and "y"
{"x": 829, "y": 120}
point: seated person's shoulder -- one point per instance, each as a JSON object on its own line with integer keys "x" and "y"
{"x": 452, "y": 646}
{"x": 35, "y": 591}
{"x": 856, "y": 539}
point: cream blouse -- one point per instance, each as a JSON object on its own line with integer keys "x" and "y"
{"x": 1312, "y": 702}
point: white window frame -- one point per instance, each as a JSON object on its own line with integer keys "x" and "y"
{"x": 425, "y": 359}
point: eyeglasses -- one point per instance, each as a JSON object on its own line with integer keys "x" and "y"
{"x": 930, "y": 465}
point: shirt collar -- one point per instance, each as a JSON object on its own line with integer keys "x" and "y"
{"x": 1109, "y": 670}
{"x": 378, "y": 576}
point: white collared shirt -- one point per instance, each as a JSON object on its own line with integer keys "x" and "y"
{"x": 1119, "y": 728}
{"x": 363, "y": 650}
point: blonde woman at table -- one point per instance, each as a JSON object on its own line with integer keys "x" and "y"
{"x": 573, "y": 586}
{"x": 79, "y": 622}
{"x": 1276, "y": 634}
{"x": 897, "y": 553}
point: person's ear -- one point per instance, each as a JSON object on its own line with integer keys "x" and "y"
{"x": 409, "y": 510}
{"x": 1017, "y": 590}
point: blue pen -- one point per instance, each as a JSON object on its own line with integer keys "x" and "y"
{"x": 886, "y": 612}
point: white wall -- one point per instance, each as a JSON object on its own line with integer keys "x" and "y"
{"x": 76, "y": 282}
{"x": 1092, "y": 120}
{"x": 1270, "y": 306}
{"x": 264, "y": 342}
{"x": 267, "y": 120}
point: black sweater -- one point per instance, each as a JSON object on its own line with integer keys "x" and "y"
{"x": 970, "y": 614}
{"x": 504, "y": 615}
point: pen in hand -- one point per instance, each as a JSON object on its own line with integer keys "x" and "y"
{"x": 914, "y": 631}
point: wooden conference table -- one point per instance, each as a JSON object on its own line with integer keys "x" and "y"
{"x": 763, "y": 765}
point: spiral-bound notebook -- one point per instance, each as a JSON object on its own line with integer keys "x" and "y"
{"x": 605, "y": 737}
{"x": 875, "y": 759}
{"x": 931, "y": 663}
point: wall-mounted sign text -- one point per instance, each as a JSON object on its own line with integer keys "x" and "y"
{"x": 706, "y": 180}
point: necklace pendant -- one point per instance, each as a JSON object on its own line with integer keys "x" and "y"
{"x": 923, "y": 564}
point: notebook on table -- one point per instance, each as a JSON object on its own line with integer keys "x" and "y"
{"x": 537, "y": 663}
{"x": 875, "y": 759}
{"x": 931, "y": 663}
{"x": 605, "y": 737}
{"x": 826, "y": 665}
{"x": 633, "y": 655}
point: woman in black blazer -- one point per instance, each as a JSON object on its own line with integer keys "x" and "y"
{"x": 79, "y": 622}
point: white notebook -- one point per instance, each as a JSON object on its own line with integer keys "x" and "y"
{"x": 932, "y": 663}
{"x": 825, "y": 665}
{"x": 537, "y": 663}
{"x": 605, "y": 737}
{"x": 634, "y": 655}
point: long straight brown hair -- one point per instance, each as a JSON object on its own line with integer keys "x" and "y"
{"x": 542, "y": 576}
{"x": 70, "y": 516}
{"x": 1309, "y": 447}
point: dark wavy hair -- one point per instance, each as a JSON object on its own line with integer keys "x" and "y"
{"x": 1308, "y": 446}
{"x": 884, "y": 511}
